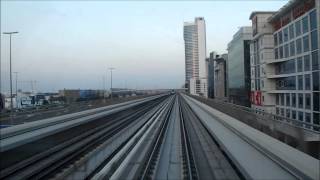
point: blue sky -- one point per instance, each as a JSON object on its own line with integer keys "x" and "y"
{"x": 70, "y": 44}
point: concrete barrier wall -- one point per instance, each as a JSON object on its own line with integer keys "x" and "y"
{"x": 303, "y": 139}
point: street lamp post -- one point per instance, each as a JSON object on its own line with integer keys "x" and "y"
{"x": 111, "y": 69}
{"x": 11, "y": 104}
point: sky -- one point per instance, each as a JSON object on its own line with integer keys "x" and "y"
{"x": 71, "y": 44}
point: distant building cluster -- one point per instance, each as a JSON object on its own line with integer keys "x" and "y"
{"x": 272, "y": 66}
{"x": 25, "y": 100}
{"x": 30, "y": 100}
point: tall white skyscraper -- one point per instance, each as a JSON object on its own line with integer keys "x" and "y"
{"x": 195, "y": 56}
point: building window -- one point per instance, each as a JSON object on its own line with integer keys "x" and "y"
{"x": 281, "y": 52}
{"x": 305, "y": 25}
{"x": 316, "y": 102}
{"x": 300, "y": 116}
{"x": 300, "y": 100}
{"x": 286, "y": 50}
{"x": 300, "y": 82}
{"x": 316, "y": 119}
{"x": 298, "y": 28}
{"x": 287, "y": 99}
{"x": 299, "y": 46}
{"x": 282, "y": 111}
{"x": 315, "y": 80}
{"x": 285, "y": 35}
{"x": 292, "y": 49}
{"x": 275, "y": 39}
{"x": 291, "y": 31}
{"x": 293, "y": 99}
{"x": 299, "y": 64}
{"x": 306, "y": 43}
{"x": 308, "y": 118}
{"x": 276, "y": 53}
{"x": 277, "y": 99}
{"x": 286, "y": 83}
{"x": 282, "y": 99}
{"x": 307, "y": 63}
{"x": 315, "y": 60}
{"x": 287, "y": 113}
{"x": 307, "y": 81}
{"x": 314, "y": 40}
{"x": 313, "y": 20}
{"x": 294, "y": 114}
{"x": 280, "y": 37}
{"x": 286, "y": 67}
{"x": 308, "y": 101}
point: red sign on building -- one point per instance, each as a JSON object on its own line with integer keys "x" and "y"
{"x": 255, "y": 98}
{"x": 258, "y": 98}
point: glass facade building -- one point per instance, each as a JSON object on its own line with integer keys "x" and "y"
{"x": 297, "y": 73}
{"x": 238, "y": 65}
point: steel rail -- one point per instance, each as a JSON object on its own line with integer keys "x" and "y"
{"x": 192, "y": 172}
{"x": 112, "y": 167}
{"x": 155, "y": 148}
{"x": 215, "y": 164}
{"x": 75, "y": 144}
{"x": 154, "y": 114}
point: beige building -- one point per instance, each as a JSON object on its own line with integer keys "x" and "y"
{"x": 261, "y": 52}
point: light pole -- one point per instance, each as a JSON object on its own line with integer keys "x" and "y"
{"x": 11, "y": 104}
{"x": 111, "y": 69}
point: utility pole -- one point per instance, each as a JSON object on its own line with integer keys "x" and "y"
{"x": 11, "y": 103}
{"x": 111, "y": 69}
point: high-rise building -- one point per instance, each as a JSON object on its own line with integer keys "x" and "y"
{"x": 211, "y": 63}
{"x": 220, "y": 77}
{"x": 238, "y": 64}
{"x": 195, "y": 57}
{"x": 285, "y": 63}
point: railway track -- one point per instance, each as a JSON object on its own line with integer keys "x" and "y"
{"x": 210, "y": 159}
{"x": 186, "y": 150}
{"x": 72, "y": 145}
{"x": 178, "y": 148}
{"x": 168, "y": 137}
